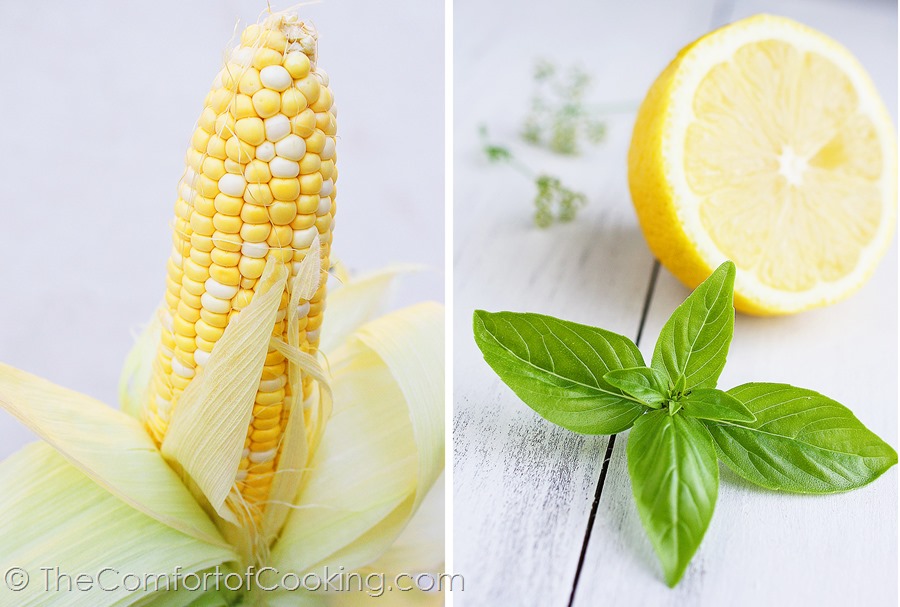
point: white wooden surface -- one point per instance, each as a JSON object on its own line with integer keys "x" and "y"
{"x": 98, "y": 103}
{"x": 523, "y": 487}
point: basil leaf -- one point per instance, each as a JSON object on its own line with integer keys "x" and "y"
{"x": 801, "y": 441}
{"x": 694, "y": 341}
{"x": 557, "y": 368}
{"x": 675, "y": 480}
{"x": 647, "y": 385}
{"x": 709, "y": 403}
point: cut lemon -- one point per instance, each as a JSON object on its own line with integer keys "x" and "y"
{"x": 765, "y": 143}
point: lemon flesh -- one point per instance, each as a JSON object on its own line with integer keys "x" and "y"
{"x": 765, "y": 142}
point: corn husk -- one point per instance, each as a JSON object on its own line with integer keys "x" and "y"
{"x": 358, "y": 477}
{"x": 110, "y": 447}
{"x": 56, "y": 516}
{"x": 205, "y": 439}
{"x": 358, "y": 301}
{"x": 383, "y": 448}
{"x": 138, "y": 369}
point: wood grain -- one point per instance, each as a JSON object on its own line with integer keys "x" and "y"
{"x": 523, "y": 488}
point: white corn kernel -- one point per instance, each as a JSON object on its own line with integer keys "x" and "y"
{"x": 303, "y": 238}
{"x": 214, "y": 304}
{"x": 232, "y": 185}
{"x": 162, "y": 404}
{"x": 201, "y": 357}
{"x": 328, "y": 150}
{"x": 234, "y": 167}
{"x": 271, "y": 385}
{"x": 256, "y": 250}
{"x": 265, "y": 151}
{"x": 260, "y": 457}
{"x": 279, "y": 126}
{"x": 324, "y": 206}
{"x": 242, "y": 56}
{"x": 327, "y": 188}
{"x": 291, "y": 147}
{"x": 275, "y": 77}
{"x": 282, "y": 167}
{"x": 181, "y": 370}
{"x": 217, "y": 289}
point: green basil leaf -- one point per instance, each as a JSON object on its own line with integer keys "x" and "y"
{"x": 709, "y": 403}
{"x": 694, "y": 341}
{"x": 801, "y": 441}
{"x": 647, "y": 385}
{"x": 557, "y": 367}
{"x": 675, "y": 480}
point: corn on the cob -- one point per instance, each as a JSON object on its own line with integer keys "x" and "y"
{"x": 259, "y": 183}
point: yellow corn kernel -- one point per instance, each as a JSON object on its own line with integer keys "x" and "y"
{"x": 255, "y": 232}
{"x": 253, "y": 213}
{"x": 324, "y": 101}
{"x": 308, "y": 203}
{"x": 310, "y": 163}
{"x": 227, "y": 259}
{"x": 282, "y": 213}
{"x": 251, "y": 268}
{"x": 315, "y": 143}
{"x": 249, "y": 81}
{"x": 286, "y": 189}
{"x": 228, "y": 205}
{"x": 258, "y": 193}
{"x": 262, "y": 152}
{"x": 304, "y": 123}
{"x": 201, "y": 258}
{"x": 239, "y": 151}
{"x": 243, "y": 107}
{"x": 227, "y": 223}
{"x": 216, "y": 147}
{"x": 199, "y": 140}
{"x": 309, "y": 86}
{"x": 297, "y": 64}
{"x": 266, "y": 102}
{"x": 213, "y": 167}
{"x": 311, "y": 184}
{"x": 207, "y": 331}
{"x": 207, "y": 120}
{"x": 213, "y": 319}
{"x": 257, "y": 172}
{"x": 227, "y": 241}
{"x": 250, "y": 130}
{"x": 265, "y": 57}
{"x": 292, "y": 102}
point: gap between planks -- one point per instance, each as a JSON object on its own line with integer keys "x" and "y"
{"x": 648, "y": 298}
{"x": 721, "y": 13}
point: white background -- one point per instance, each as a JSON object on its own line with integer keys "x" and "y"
{"x": 98, "y": 100}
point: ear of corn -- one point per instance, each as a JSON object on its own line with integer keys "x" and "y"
{"x": 259, "y": 184}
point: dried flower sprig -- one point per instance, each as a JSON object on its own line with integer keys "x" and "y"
{"x": 559, "y": 117}
{"x": 553, "y": 201}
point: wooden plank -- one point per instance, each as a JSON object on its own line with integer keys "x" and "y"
{"x": 523, "y": 487}
{"x": 763, "y": 547}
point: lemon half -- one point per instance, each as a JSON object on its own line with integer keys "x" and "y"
{"x": 766, "y": 143}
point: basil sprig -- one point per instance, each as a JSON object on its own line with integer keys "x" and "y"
{"x": 593, "y": 381}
